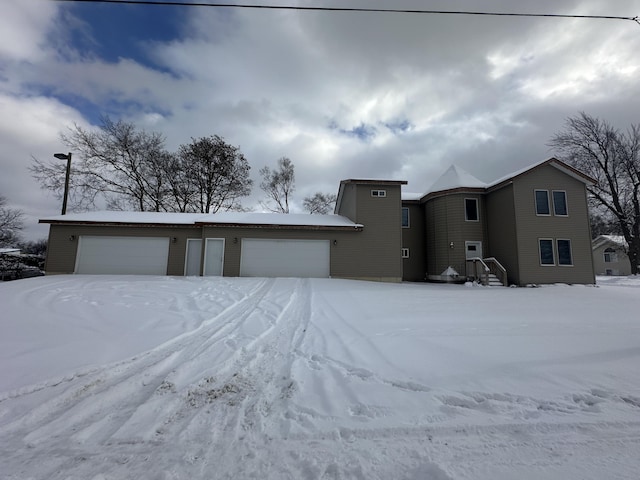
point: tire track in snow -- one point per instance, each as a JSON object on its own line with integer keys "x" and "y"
{"x": 117, "y": 389}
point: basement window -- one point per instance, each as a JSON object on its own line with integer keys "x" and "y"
{"x": 379, "y": 193}
{"x": 405, "y": 253}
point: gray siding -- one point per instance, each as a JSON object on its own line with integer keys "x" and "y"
{"x": 414, "y": 268}
{"x": 531, "y": 227}
{"x": 446, "y": 224}
{"x": 347, "y": 206}
{"x": 501, "y": 228}
{"x": 61, "y": 251}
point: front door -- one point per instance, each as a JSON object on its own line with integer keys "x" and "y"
{"x": 194, "y": 257}
{"x": 213, "y": 256}
{"x": 472, "y": 249}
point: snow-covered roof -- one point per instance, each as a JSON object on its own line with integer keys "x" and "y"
{"x": 455, "y": 177}
{"x": 407, "y": 196}
{"x": 615, "y": 239}
{"x": 225, "y": 218}
{"x": 554, "y": 162}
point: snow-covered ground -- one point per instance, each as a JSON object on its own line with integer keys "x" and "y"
{"x": 205, "y": 378}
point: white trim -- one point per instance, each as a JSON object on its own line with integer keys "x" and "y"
{"x": 405, "y": 253}
{"x": 378, "y": 193}
{"x": 408, "y": 225}
{"x": 553, "y": 252}
{"x": 477, "y": 209}
{"x": 204, "y": 261}
{"x": 566, "y": 203}
{"x": 535, "y": 202}
{"x": 570, "y": 252}
{"x": 477, "y": 243}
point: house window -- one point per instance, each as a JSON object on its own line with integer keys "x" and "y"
{"x": 471, "y": 209}
{"x": 564, "y": 252}
{"x": 405, "y": 253}
{"x": 560, "y": 203}
{"x": 405, "y": 217}
{"x": 610, "y": 255}
{"x": 546, "y": 251}
{"x": 378, "y": 193}
{"x": 542, "y": 202}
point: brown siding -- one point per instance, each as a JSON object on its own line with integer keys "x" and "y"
{"x": 530, "y": 227}
{"x": 61, "y": 250}
{"x": 414, "y": 268}
{"x": 502, "y": 231}
{"x": 445, "y": 223}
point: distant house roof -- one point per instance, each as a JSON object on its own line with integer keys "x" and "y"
{"x": 614, "y": 240}
{"x": 9, "y": 251}
{"x": 219, "y": 219}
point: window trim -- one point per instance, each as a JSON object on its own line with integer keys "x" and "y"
{"x": 477, "y": 210}
{"x": 566, "y": 205}
{"x": 408, "y": 225}
{"x": 404, "y": 252}
{"x": 379, "y": 193}
{"x": 553, "y": 253}
{"x": 570, "y": 252}
{"x": 612, "y": 253}
{"x": 535, "y": 200}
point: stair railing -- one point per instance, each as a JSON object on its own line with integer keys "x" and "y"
{"x": 483, "y": 267}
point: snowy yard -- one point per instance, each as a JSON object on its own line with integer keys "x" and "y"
{"x": 232, "y": 378}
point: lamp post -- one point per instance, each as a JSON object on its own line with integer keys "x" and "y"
{"x": 67, "y": 157}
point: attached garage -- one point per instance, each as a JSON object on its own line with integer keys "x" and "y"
{"x": 284, "y": 258}
{"x": 122, "y": 255}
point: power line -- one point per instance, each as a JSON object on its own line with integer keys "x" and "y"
{"x": 635, "y": 19}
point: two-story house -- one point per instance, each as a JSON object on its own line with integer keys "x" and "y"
{"x": 530, "y": 227}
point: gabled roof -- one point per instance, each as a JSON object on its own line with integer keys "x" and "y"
{"x": 553, "y": 162}
{"x": 227, "y": 219}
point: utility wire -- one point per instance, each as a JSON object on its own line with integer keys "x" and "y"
{"x": 635, "y": 19}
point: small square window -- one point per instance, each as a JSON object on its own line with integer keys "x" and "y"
{"x": 405, "y": 253}
{"x": 560, "y": 203}
{"x": 546, "y": 252}
{"x": 405, "y": 217}
{"x": 564, "y": 252}
{"x": 471, "y": 209}
{"x": 542, "y": 202}
{"x": 379, "y": 193}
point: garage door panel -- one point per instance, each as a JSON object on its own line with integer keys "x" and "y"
{"x": 285, "y": 258}
{"x": 122, "y": 255}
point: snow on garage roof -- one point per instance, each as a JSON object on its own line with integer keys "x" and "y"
{"x": 224, "y": 218}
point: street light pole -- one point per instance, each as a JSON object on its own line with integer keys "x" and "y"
{"x": 67, "y": 157}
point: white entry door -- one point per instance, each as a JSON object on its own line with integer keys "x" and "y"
{"x": 213, "y": 256}
{"x": 193, "y": 257}
{"x": 473, "y": 249}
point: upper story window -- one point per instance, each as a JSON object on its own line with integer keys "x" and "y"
{"x": 610, "y": 255}
{"x": 542, "y": 202}
{"x": 560, "y": 203}
{"x": 378, "y": 193}
{"x": 405, "y": 217}
{"x": 471, "y": 209}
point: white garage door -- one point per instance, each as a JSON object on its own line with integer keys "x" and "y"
{"x": 122, "y": 255}
{"x": 284, "y": 258}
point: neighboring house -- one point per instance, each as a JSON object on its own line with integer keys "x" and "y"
{"x": 610, "y": 255}
{"x": 528, "y": 228}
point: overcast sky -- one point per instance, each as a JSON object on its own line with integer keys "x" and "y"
{"x": 344, "y": 95}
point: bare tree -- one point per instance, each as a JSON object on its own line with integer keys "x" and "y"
{"x": 612, "y": 158}
{"x": 118, "y": 162}
{"x": 321, "y": 203}
{"x": 278, "y": 185}
{"x": 216, "y": 174}
{"x": 11, "y": 223}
